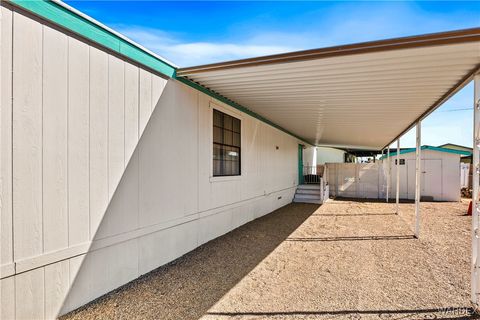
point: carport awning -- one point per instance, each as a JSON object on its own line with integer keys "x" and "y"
{"x": 353, "y": 96}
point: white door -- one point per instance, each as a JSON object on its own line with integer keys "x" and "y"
{"x": 431, "y": 178}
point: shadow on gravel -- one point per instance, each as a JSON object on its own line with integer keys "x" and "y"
{"x": 359, "y": 238}
{"x": 366, "y": 214}
{"x": 438, "y": 313}
{"x": 189, "y": 286}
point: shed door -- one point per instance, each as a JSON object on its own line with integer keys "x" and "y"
{"x": 432, "y": 175}
{"x": 431, "y": 179}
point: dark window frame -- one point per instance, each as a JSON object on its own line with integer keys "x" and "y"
{"x": 233, "y": 146}
{"x": 402, "y": 161}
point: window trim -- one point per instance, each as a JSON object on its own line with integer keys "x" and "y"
{"x": 214, "y": 106}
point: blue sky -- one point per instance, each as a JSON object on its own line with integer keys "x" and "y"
{"x": 191, "y": 33}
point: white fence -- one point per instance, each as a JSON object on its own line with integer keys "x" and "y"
{"x": 357, "y": 180}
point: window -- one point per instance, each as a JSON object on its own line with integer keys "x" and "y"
{"x": 226, "y": 145}
{"x": 402, "y": 162}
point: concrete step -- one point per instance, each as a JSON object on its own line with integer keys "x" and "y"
{"x": 307, "y": 201}
{"x": 307, "y": 196}
{"x": 308, "y": 191}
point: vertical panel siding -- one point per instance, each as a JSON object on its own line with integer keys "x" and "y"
{"x": 29, "y": 295}
{"x": 116, "y": 123}
{"x": 7, "y": 298}
{"x": 55, "y": 212}
{"x": 57, "y": 284}
{"x": 145, "y": 99}
{"x": 98, "y": 137}
{"x": 78, "y": 141}
{"x": 122, "y": 214}
{"x": 168, "y": 152}
{"x": 6, "y": 236}
{"x": 203, "y": 139}
{"x": 131, "y": 109}
{"x": 27, "y": 135}
{"x": 158, "y": 84}
{"x": 78, "y": 280}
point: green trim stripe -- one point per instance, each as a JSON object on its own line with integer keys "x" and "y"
{"x": 70, "y": 20}
{"x": 238, "y": 107}
{"x": 440, "y": 149}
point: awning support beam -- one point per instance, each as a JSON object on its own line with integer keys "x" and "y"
{"x": 388, "y": 173}
{"x": 397, "y": 189}
{"x": 475, "y": 198}
{"x": 418, "y": 168}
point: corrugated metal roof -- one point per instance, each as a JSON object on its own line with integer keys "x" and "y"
{"x": 347, "y": 96}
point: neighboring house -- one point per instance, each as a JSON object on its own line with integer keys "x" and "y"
{"x": 326, "y": 154}
{"x": 464, "y": 159}
{"x": 440, "y": 168}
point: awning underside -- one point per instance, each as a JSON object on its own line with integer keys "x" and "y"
{"x": 362, "y": 100}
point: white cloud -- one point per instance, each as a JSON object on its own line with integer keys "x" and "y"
{"x": 194, "y": 53}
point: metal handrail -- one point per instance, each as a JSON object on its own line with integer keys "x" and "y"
{"x": 312, "y": 174}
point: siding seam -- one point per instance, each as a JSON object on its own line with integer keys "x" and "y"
{"x": 43, "y": 136}
{"x": 89, "y": 147}
{"x": 67, "y": 171}
{"x": 12, "y": 207}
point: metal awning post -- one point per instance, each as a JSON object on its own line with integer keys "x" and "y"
{"x": 475, "y": 198}
{"x": 418, "y": 152}
{"x": 397, "y": 190}
{"x": 388, "y": 173}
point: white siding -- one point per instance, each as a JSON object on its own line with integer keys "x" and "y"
{"x": 78, "y": 141}
{"x": 131, "y": 110}
{"x": 98, "y": 137}
{"x": 7, "y": 285}
{"x": 112, "y": 171}
{"x": 7, "y": 298}
{"x": 57, "y": 285}
{"x": 27, "y": 137}
{"x": 116, "y": 123}
{"x": 145, "y": 99}
{"x": 55, "y": 82}
{"x": 6, "y": 237}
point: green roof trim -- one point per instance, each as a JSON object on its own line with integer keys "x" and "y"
{"x": 238, "y": 107}
{"x": 74, "y": 22}
{"x": 440, "y": 149}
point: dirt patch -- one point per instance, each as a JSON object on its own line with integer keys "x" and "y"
{"x": 344, "y": 260}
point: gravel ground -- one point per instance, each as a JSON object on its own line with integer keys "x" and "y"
{"x": 343, "y": 260}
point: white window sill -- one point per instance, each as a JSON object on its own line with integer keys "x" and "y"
{"x": 224, "y": 179}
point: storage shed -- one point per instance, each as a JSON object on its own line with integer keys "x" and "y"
{"x": 440, "y": 170}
